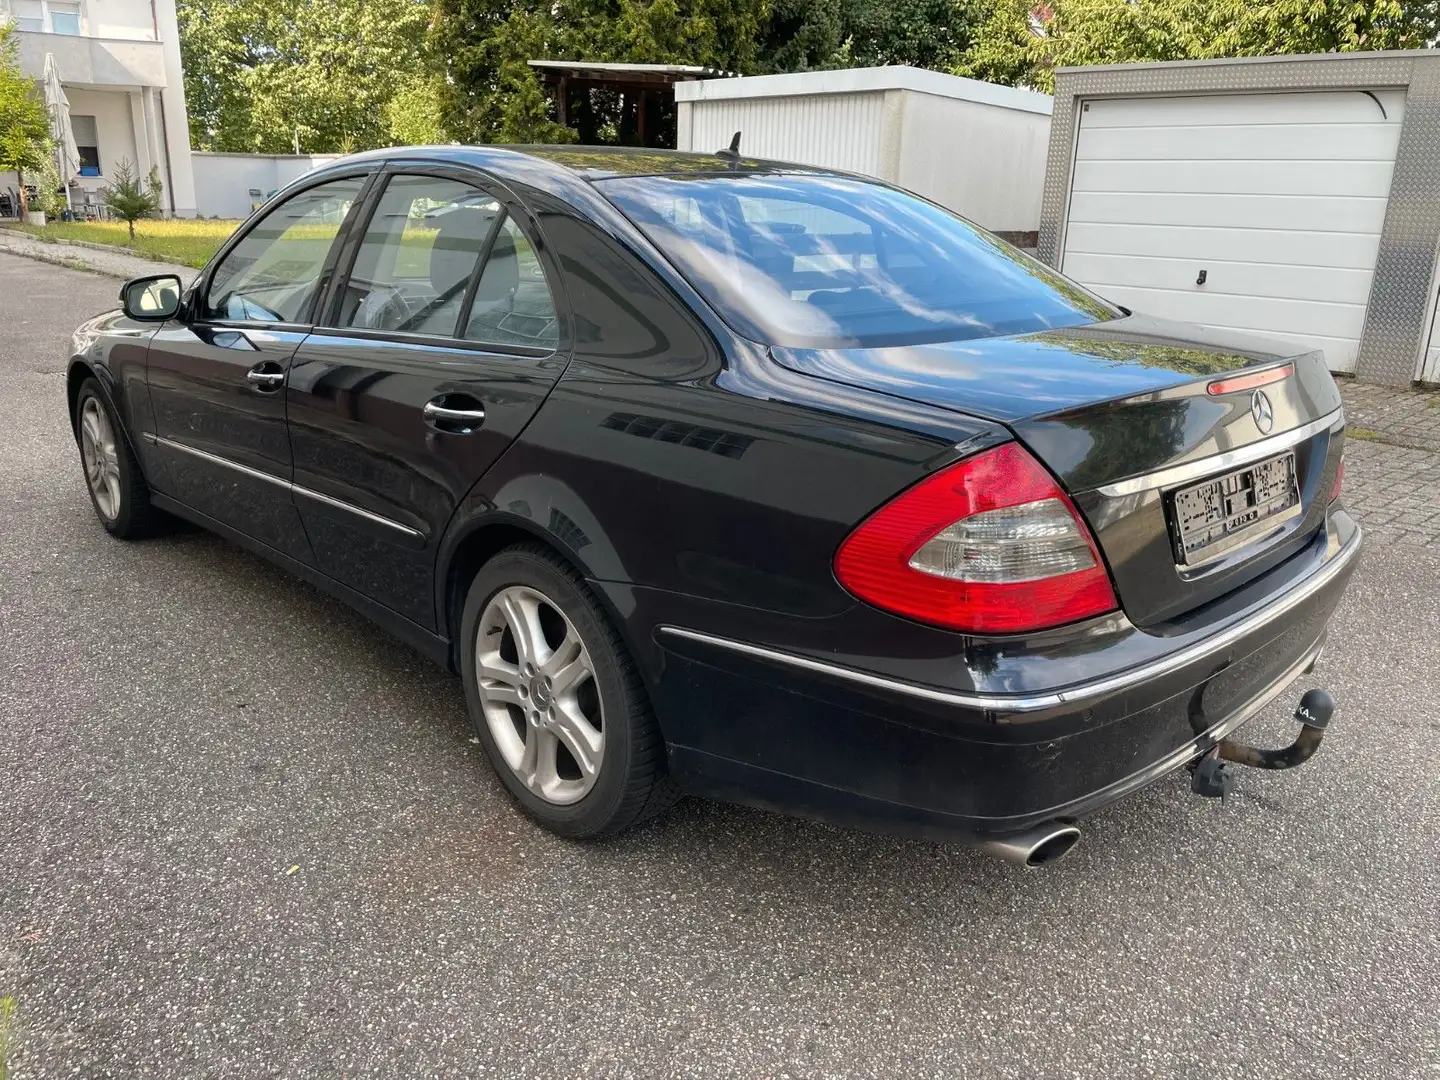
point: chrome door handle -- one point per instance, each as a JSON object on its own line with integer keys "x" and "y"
{"x": 266, "y": 380}
{"x": 440, "y": 414}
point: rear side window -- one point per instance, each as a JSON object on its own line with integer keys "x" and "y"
{"x": 512, "y": 304}
{"x": 419, "y": 251}
{"x": 273, "y": 273}
{"x": 828, "y": 262}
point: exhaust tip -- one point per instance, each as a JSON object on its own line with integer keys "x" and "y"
{"x": 1053, "y": 847}
{"x": 1040, "y": 846}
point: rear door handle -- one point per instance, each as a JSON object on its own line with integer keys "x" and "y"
{"x": 449, "y": 418}
{"x": 266, "y": 376}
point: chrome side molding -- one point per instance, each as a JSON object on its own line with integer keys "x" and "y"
{"x": 293, "y": 488}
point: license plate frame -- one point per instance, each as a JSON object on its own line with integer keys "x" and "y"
{"x": 1211, "y": 518}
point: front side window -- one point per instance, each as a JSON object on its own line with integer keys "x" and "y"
{"x": 273, "y": 273}
{"x": 811, "y": 261}
{"x": 420, "y": 250}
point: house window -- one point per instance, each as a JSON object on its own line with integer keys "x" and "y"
{"x": 28, "y": 14}
{"x": 87, "y": 143}
{"x": 64, "y": 18}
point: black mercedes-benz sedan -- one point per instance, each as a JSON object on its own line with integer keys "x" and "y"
{"x": 751, "y": 480}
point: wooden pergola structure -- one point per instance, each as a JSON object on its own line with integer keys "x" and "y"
{"x": 646, "y": 93}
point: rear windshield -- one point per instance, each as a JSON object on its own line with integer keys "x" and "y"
{"x": 827, "y": 262}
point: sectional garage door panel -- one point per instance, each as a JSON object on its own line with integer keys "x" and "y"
{"x": 1279, "y": 198}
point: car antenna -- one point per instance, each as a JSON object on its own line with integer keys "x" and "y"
{"x": 733, "y": 150}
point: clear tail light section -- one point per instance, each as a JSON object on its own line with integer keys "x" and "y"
{"x": 989, "y": 545}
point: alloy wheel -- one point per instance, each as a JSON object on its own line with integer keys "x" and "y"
{"x": 537, "y": 689}
{"x": 102, "y": 462}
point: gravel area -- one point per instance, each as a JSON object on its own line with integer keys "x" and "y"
{"x": 245, "y": 834}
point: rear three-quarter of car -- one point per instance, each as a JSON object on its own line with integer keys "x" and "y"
{"x": 821, "y": 499}
{"x": 780, "y": 527}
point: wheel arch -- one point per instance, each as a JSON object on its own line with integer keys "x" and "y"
{"x": 75, "y": 376}
{"x": 471, "y": 545}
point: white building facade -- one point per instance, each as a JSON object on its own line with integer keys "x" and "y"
{"x": 119, "y": 64}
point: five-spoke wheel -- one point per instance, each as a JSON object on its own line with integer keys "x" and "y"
{"x": 98, "y": 451}
{"x": 117, "y": 486}
{"x": 537, "y": 683}
{"x": 556, "y": 699}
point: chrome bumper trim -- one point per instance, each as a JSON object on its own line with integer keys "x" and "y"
{"x": 1021, "y": 703}
{"x": 1219, "y": 463}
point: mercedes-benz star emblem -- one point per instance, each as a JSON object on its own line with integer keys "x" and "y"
{"x": 1262, "y": 411}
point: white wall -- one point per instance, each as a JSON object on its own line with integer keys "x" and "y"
{"x": 838, "y": 131}
{"x": 980, "y": 160}
{"x": 224, "y": 181}
{"x": 113, "y": 128}
{"x": 170, "y": 110}
{"x": 130, "y": 19}
{"x": 975, "y": 147}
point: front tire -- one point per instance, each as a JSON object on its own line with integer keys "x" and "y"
{"x": 117, "y": 487}
{"x": 556, "y": 700}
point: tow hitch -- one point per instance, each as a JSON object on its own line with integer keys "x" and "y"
{"x": 1211, "y": 777}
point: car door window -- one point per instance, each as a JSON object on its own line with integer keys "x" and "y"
{"x": 273, "y": 273}
{"x": 513, "y": 304}
{"x": 417, "y": 257}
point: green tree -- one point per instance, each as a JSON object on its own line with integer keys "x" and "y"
{"x": 333, "y": 75}
{"x": 490, "y": 94}
{"x": 24, "y": 121}
{"x": 1022, "y": 42}
{"x": 802, "y": 35}
{"x": 128, "y": 199}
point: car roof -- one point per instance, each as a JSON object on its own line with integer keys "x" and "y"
{"x": 586, "y": 162}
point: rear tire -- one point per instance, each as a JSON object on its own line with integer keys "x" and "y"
{"x": 117, "y": 487}
{"x": 556, "y": 699}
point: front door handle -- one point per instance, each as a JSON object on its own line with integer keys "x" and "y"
{"x": 267, "y": 376}
{"x": 449, "y": 418}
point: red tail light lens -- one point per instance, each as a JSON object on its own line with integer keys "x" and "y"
{"x": 990, "y": 545}
{"x": 1339, "y": 480}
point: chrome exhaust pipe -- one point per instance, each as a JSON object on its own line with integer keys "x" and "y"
{"x": 1036, "y": 846}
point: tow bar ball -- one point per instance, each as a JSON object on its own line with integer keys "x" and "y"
{"x": 1212, "y": 779}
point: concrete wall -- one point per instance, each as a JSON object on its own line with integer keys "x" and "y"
{"x": 224, "y": 181}
{"x": 977, "y": 148}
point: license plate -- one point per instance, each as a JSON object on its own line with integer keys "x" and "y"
{"x": 1212, "y": 517}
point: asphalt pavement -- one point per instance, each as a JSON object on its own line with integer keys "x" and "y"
{"x": 245, "y": 834}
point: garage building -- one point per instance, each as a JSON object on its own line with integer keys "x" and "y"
{"x": 1297, "y": 197}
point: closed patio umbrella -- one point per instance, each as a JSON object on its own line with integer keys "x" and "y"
{"x": 60, "y": 129}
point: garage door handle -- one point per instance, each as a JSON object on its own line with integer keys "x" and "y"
{"x": 454, "y": 419}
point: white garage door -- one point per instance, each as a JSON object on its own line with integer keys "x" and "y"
{"x": 1278, "y": 198}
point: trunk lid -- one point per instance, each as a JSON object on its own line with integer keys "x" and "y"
{"x": 1106, "y": 406}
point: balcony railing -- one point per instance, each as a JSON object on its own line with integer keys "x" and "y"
{"x": 88, "y": 61}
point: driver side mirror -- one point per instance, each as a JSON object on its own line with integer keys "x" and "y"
{"x": 151, "y": 299}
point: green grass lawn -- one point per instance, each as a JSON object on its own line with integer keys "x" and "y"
{"x": 187, "y": 241}
{"x": 191, "y": 241}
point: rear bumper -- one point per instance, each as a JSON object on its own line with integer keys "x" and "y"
{"x": 806, "y": 736}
